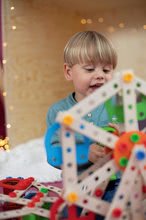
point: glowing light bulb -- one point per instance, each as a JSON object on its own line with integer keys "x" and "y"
{"x": 5, "y": 44}
{"x": 100, "y": 20}
{"x": 111, "y": 29}
{"x": 12, "y": 7}
{"x": 4, "y": 61}
{"x": 4, "y": 93}
{"x": 2, "y": 143}
{"x": 8, "y": 126}
{"x": 13, "y": 27}
{"x": 121, "y": 25}
{"x": 83, "y": 21}
{"x": 89, "y": 21}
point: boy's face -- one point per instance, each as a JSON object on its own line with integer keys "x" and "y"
{"x": 87, "y": 77}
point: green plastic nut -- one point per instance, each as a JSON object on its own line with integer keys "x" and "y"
{"x": 44, "y": 190}
{"x": 134, "y": 137}
{"x": 113, "y": 177}
{"x": 123, "y": 161}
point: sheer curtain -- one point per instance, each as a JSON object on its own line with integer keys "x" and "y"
{"x": 2, "y": 108}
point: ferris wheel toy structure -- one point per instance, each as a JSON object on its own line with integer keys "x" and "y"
{"x": 128, "y": 153}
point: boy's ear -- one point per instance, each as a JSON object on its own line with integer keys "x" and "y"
{"x": 67, "y": 71}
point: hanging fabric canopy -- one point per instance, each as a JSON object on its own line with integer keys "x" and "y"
{"x": 2, "y": 108}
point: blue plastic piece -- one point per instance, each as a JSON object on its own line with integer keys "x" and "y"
{"x": 54, "y": 153}
{"x": 30, "y": 194}
{"x": 140, "y": 155}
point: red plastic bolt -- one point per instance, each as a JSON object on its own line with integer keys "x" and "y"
{"x": 122, "y": 147}
{"x": 40, "y": 194}
{"x": 116, "y": 213}
{"x": 132, "y": 167}
{"x": 98, "y": 192}
{"x": 36, "y": 199}
{"x": 31, "y": 205}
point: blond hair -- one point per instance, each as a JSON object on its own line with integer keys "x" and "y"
{"x": 89, "y": 47}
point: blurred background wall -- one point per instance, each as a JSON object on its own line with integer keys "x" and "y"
{"x": 34, "y": 35}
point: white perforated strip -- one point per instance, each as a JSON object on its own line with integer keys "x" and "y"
{"x": 129, "y": 101}
{"x": 69, "y": 157}
{"x": 95, "y": 133}
{"x": 99, "y": 176}
{"x": 140, "y": 85}
{"x": 123, "y": 193}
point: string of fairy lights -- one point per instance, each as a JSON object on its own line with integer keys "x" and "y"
{"x": 4, "y": 144}
{"x": 110, "y": 28}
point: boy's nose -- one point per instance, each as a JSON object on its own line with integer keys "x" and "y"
{"x": 99, "y": 75}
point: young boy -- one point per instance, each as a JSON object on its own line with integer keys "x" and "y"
{"x": 89, "y": 63}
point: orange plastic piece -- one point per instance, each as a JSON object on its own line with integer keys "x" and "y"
{"x": 125, "y": 145}
{"x": 72, "y": 197}
{"x": 128, "y": 77}
{"x": 68, "y": 120}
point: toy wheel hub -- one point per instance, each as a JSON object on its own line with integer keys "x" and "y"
{"x": 125, "y": 146}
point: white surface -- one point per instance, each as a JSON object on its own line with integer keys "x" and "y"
{"x": 28, "y": 159}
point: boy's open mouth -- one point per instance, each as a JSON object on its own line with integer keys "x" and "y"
{"x": 96, "y": 86}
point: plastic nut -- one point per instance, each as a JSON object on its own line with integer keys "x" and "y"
{"x": 68, "y": 120}
{"x": 72, "y": 197}
{"x": 134, "y": 137}
{"x": 123, "y": 162}
{"x": 128, "y": 77}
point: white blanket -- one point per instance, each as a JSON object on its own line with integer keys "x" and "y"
{"x": 28, "y": 159}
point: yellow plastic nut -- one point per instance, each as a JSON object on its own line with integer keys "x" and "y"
{"x": 68, "y": 120}
{"x": 128, "y": 77}
{"x": 72, "y": 197}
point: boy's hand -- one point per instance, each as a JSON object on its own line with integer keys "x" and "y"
{"x": 114, "y": 126}
{"x": 96, "y": 151}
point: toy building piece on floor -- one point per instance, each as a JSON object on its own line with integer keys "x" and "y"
{"x": 26, "y": 197}
{"x": 129, "y": 154}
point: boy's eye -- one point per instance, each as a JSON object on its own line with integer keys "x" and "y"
{"x": 106, "y": 70}
{"x": 89, "y": 69}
